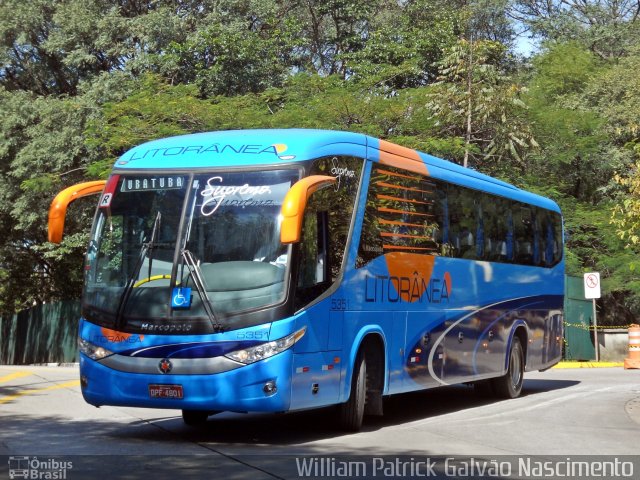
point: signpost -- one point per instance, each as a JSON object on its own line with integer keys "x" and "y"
{"x": 592, "y": 291}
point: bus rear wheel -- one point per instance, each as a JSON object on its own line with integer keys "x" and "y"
{"x": 510, "y": 384}
{"x": 352, "y": 411}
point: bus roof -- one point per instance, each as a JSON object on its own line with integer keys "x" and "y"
{"x": 241, "y": 148}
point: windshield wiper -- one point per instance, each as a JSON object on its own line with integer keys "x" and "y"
{"x": 131, "y": 281}
{"x": 198, "y": 282}
{"x": 151, "y": 244}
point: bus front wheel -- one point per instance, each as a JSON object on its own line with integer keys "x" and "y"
{"x": 352, "y": 411}
{"x": 510, "y": 384}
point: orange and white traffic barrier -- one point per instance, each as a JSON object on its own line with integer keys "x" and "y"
{"x": 633, "y": 360}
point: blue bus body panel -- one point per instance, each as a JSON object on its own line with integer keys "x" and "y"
{"x": 241, "y": 148}
{"x": 423, "y": 346}
{"x": 441, "y": 320}
{"x": 240, "y": 389}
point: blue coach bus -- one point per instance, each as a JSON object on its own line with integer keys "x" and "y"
{"x": 280, "y": 270}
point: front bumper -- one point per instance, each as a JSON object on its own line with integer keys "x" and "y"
{"x": 239, "y": 390}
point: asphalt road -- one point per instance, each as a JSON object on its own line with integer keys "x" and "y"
{"x": 565, "y": 412}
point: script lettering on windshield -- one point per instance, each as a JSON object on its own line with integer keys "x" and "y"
{"x": 215, "y": 195}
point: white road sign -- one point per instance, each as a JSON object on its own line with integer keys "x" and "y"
{"x": 591, "y": 285}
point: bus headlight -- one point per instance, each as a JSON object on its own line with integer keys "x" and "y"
{"x": 267, "y": 349}
{"x": 93, "y": 351}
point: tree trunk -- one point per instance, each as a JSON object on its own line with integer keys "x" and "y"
{"x": 467, "y": 142}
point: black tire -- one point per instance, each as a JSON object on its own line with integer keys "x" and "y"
{"x": 510, "y": 384}
{"x": 195, "y": 418}
{"x": 352, "y": 411}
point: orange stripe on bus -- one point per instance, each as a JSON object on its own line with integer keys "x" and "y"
{"x": 400, "y": 187}
{"x": 393, "y": 174}
{"x": 398, "y": 247}
{"x": 406, "y": 200}
{"x": 402, "y": 157}
{"x": 404, "y": 235}
{"x": 402, "y": 224}
{"x": 391, "y": 210}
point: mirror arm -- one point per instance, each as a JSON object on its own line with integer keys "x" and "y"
{"x": 58, "y": 208}
{"x": 294, "y": 204}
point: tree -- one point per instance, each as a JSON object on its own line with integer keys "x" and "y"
{"x": 616, "y": 94}
{"x": 606, "y": 27}
{"x": 49, "y": 47}
{"x": 27, "y": 63}
{"x": 226, "y": 59}
{"x": 42, "y": 148}
{"x": 475, "y": 100}
{"x": 626, "y": 214}
{"x": 574, "y": 148}
{"x": 582, "y": 110}
{"x": 404, "y": 44}
{"x": 333, "y": 28}
{"x": 489, "y": 20}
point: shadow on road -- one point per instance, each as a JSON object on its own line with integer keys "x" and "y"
{"x": 142, "y": 434}
{"x": 313, "y": 425}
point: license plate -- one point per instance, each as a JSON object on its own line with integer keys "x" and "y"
{"x": 166, "y": 391}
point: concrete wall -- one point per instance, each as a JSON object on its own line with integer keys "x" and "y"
{"x": 613, "y": 344}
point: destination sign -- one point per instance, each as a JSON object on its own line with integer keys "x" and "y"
{"x": 141, "y": 184}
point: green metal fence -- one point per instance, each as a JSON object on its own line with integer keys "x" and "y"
{"x": 42, "y": 334}
{"x": 578, "y": 317}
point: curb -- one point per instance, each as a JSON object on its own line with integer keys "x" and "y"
{"x": 588, "y": 364}
{"x": 54, "y": 364}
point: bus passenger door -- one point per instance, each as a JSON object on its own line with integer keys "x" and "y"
{"x": 317, "y": 361}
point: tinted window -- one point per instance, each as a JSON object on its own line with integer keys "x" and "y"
{"x": 326, "y": 226}
{"x": 408, "y": 212}
{"x": 405, "y": 212}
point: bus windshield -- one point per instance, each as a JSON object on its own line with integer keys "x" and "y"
{"x": 216, "y": 233}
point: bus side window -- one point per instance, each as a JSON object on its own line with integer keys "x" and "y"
{"x": 495, "y": 224}
{"x": 492, "y": 234}
{"x": 455, "y": 211}
{"x": 523, "y": 226}
{"x": 405, "y": 212}
{"x": 558, "y": 244}
{"x": 552, "y": 238}
{"x": 326, "y": 225}
{"x": 480, "y": 231}
{"x": 313, "y": 273}
{"x": 538, "y": 238}
{"x": 105, "y": 256}
{"x": 469, "y": 226}
{"x": 445, "y": 219}
{"x": 510, "y": 242}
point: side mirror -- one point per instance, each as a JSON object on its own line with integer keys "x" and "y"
{"x": 294, "y": 204}
{"x": 58, "y": 208}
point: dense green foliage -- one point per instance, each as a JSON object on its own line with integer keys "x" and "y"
{"x": 81, "y": 81}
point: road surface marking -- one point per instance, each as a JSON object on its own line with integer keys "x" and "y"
{"x": 21, "y": 393}
{"x": 14, "y": 375}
